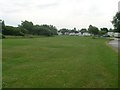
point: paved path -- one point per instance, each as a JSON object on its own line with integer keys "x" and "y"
{"x": 115, "y": 44}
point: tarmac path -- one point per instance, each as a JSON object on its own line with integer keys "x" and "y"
{"x": 115, "y": 44}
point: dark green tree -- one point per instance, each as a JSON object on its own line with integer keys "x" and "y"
{"x": 3, "y": 25}
{"x": 103, "y": 31}
{"x": 93, "y": 30}
{"x": 27, "y": 26}
{"x": 22, "y": 29}
{"x": 52, "y": 29}
{"x": 0, "y": 26}
{"x": 64, "y": 30}
{"x": 47, "y": 30}
{"x": 110, "y": 30}
{"x": 10, "y": 30}
{"x": 83, "y": 30}
{"x": 116, "y": 22}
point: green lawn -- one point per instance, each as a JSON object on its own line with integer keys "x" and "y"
{"x": 59, "y": 62}
{"x": 0, "y": 63}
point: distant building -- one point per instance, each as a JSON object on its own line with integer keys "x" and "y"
{"x": 86, "y": 34}
{"x": 111, "y": 34}
{"x": 117, "y": 35}
{"x": 75, "y": 34}
{"x": 119, "y": 6}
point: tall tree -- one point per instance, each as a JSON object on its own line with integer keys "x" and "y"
{"x": 47, "y": 30}
{"x": 3, "y": 25}
{"x": 103, "y": 31}
{"x": 0, "y": 26}
{"x": 27, "y": 26}
{"x": 116, "y": 22}
{"x": 93, "y": 30}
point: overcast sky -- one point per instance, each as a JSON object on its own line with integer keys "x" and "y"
{"x": 60, "y": 13}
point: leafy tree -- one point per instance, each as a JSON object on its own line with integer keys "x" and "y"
{"x": 74, "y": 30}
{"x": 40, "y": 30}
{"x": 27, "y": 26}
{"x": 64, "y": 30}
{"x": 30, "y": 28}
{"x": 22, "y": 29}
{"x": 93, "y": 30}
{"x": 103, "y": 31}
{"x": 0, "y": 26}
{"x": 83, "y": 30}
{"x": 47, "y": 30}
{"x": 10, "y": 30}
{"x": 116, "y": 22}
{"x": 3, "y": 25}
{"x": 52, "y": 29}
{"x": 110, "y": 30}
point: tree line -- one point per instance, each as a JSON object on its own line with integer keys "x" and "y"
{"x": 92, "y": 30}
{"x": 28, "y": 28}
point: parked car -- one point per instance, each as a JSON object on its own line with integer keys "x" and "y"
{"x": 106, "y": 35}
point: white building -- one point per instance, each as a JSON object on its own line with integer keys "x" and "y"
{"x": 86, "y": 34}
{"x": 111, "y": 34}
{"x": 117, "y": 35}
{"x": 79, "y": 34}
{"x": 75, "y": 34}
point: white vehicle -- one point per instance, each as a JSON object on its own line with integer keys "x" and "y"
{"x": 117, "y": 35}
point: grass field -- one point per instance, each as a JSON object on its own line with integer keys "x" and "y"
{"x": 59, "y": 62}
{"x": 0, "y": 63}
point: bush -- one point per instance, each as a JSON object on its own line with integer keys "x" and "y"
{"x": 93, "y": 37}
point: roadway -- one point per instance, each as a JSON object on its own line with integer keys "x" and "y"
{"x": 115, "y": 44}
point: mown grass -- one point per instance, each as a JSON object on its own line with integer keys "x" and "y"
{"x": 0, "y": 63}
{"x": 59, "y": 62}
